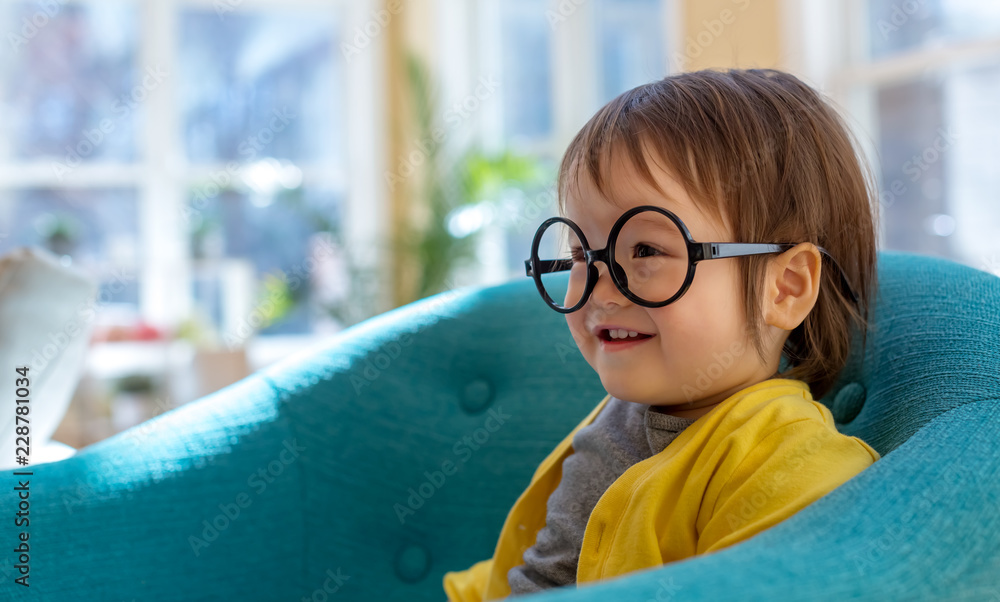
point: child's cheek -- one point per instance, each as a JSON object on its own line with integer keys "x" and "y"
{"x": 577, "y": 329}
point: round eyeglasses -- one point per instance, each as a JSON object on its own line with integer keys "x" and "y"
{"x": 650, "y": 256}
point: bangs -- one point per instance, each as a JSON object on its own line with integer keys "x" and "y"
{"x": 633, "y": 135}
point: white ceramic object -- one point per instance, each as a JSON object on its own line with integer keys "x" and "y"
{"x": 47, "y": 313}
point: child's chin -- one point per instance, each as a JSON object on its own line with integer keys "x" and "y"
{"x": 620, "y": 388}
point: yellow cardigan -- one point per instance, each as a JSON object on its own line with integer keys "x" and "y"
{"x": 754, "y": 460}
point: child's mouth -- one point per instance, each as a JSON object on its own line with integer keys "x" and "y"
{"x": 609, "y": 343}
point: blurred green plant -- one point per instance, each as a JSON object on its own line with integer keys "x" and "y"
{"x": 135, "y": 383}
{"x": 364, "y": 286}
{"x": 274, "y": 300}
{"x": 60, "y": 232}
{"x": 204, "y": 226}
{"x": 277, "y": 298}
{"x": 450, "y": 184}
{"x": 198, "y": 330}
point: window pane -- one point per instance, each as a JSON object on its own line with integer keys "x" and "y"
{"x": 93, "y": 229}
{"x": 282, "y": 236}
{"x": 631, "y": 44}
{"x": 900, "y": 25}
{"x": 259, "y": 83}
{"x": 71, "y": 89}
{"x": 912, "y": 189}
{"x": 527, "y": 95}
{"x": 972, "y": 179}
{"x": 966, "y": 19}
{"x": 939, "y": 181}
{"x": 523, "y": 210}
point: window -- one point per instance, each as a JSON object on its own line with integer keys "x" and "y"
{"x": 202, "y": 151}
{"x": 97, "y": 228}
{"x": 631, "y": 44}
{"x": 560, "y": 62}
{"x": 71, "y": 95}
{"x": 924, "y": 85}
{"x": 259, "y": 106}
{"x": 525, "y": 41}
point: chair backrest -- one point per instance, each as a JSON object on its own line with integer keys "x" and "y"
{"x": 933, "y": 344}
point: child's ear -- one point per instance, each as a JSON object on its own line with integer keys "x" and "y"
{"x": 792, "y": 285}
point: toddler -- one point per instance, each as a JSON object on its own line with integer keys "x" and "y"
{"x": 714, "y": 251}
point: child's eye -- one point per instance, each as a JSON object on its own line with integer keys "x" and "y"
{"x": 642, "y": 250}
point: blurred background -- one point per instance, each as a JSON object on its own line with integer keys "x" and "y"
{"x": 246, "y": 178}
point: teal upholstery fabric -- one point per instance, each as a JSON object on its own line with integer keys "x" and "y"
{"x": 368, "y": 469}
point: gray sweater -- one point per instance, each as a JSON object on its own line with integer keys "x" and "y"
{"x": 622, "y": 434}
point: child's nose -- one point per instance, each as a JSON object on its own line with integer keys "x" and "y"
{"x": 606, "y": 294}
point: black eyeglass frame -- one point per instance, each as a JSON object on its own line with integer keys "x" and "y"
{"x": 696, "y": 251}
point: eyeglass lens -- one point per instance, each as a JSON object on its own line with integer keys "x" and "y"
{"x": 650, "y": 252}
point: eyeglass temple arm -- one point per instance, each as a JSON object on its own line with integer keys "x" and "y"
{"x": 548, "y": 266}
{"x": 708, "y": 250}
{"x": 718, "y": 250}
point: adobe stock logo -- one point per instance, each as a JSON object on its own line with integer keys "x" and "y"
{"x": 708, "y": 376}
{"x": 899, "y": 16}
{"x": 48, "y": 10}
{"x": 365, "y": 34}
{"x": 463, "y": 449}
{"x": 230, "y": 511}
{"x": 376, "y": 365}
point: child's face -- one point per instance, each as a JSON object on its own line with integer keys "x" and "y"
{"x": 698, "y": 353}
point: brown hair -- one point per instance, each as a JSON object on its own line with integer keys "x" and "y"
{"x": 765, "y": 149}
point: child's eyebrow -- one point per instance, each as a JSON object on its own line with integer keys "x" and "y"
{"x": 660, "y": 224}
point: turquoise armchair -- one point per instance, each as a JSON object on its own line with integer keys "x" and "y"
{"x": 367, "y": 470}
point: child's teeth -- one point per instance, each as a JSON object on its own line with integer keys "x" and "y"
{"x": 622, "y": 334}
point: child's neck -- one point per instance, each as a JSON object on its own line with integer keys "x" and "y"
{"x": 700, "y": 411}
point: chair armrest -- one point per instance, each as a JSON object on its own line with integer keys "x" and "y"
{"x": 174, "y": 508}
